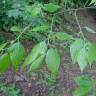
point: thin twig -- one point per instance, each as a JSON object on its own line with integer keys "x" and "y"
{"x": 78, "y": 23}
{"x": 77, "y": 9}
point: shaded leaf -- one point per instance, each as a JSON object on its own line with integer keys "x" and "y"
{"x": 84, "y": 81}
{"x": 81, "y": 91}
{"x": 2, "y": 46}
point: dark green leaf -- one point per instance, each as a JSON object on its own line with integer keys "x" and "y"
{"x": 2, "y": 46}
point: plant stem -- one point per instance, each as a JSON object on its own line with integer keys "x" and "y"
{"x": 25, "y": 29}
{"x": 78, "y": 23}
{"x": 51, "y": 29}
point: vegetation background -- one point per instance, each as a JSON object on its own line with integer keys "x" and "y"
{"x": 47, "y": 48}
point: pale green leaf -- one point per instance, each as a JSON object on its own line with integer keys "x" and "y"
{"x": 50, "y": 7}
{"x": 91, "y": 54}
{"x": 75, "y": 47}
{"x": 38, "y": 50}
{"x": 53, "y": 60}
{"x": 82, "y": 58}
{"x": 89, "y": 29}
{"x": 33, "y": 10}
{"x": 63, "y": 36}
{"x": 4, "y": 62}
{"x": 93, "y": 2}
{"x": 16, "y": 52}
{"x": 16, "y": 29}
{"x": 40, "y": 28}
{"x": 36, "y": 63}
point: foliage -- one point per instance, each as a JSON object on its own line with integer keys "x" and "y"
{"x": 9, "y": 90}
{"x": 35, "y": 19}
{"x": 84, "y": 84}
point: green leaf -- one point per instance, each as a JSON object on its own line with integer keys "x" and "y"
{"x": 38, "y": 50}
{"x": 53, "y": 60}
{"x": 36, "y": 63}
{"x": 34, "y": 10}
{"x": 63, "y": 36}
{"x": 16, "y": 29}
{"x": 89, "y": 29}
{"x": 40, "y": 28}
{"x": 85, "y": 84}
{"x": 91, "y": 54}
{"x": 82, "y": 59}
{"x": 93, "y": 2}
{"x": 81, "y": 91}
{"x": 51, "y": 7}
{"x": 16, "y": 52}
{"x": 4, "y": 62}
{"x": 84, "y": 81}
{"x": 94, "y": 94}
{"x": 2, "y": 46}
{"x": 75, "y": 47}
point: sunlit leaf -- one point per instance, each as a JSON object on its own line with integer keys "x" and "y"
{"x": 38, "y": 50}
{"x": 91, "y": 54}
{"x": 53, "y": 60}
{"x": 36, "y": 63}
{"x": 63, "y": 36}
{"x": 16, "y": 29}
{"x": 89, "y": 29}
{"x": 75, "y": 47}
{"x": 50, "y": 7}
{"x": 16, "y": 53}
{"x": 40, "y": 28}
{"x": 4, "y": 62}
{"x": 82, "y": 59}
{"x": 93, "y": 2}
